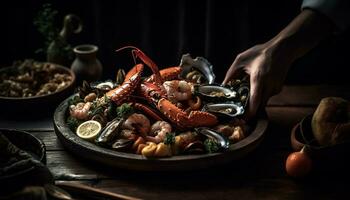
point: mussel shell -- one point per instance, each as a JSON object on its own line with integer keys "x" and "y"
{"x": 199, "y": 63}
{"x": 206, "y": 92}
{"x": 227, "y": 109}
{"x": 217, "y": 137}
{"x": 196, "y": 147}
{"x": 109, "y": 133}
{"x": 244, "y": 91}
{"x": 122, "y": 144}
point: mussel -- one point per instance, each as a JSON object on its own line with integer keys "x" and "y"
{"x": 217, "y": 137}
{"x": 225, "y": 110}
{"x": 122, "y": 144}
{"x": 109, "y": 133}
{"x": 242, "y": 88}
{"x": 120, "y": 77}
{"x": 215, "y": 93}
{"x": 196, "y": 147}
{"x": 200, "y": 64}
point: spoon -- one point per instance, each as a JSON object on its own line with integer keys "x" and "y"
{"x": 57, "y": 192}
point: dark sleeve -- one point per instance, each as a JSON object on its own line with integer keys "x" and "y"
{"x": 338, "y": 11}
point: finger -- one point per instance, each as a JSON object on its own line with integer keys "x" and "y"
{"x": 256, "y": 93}
{"x": 234, "y": 71}
{"x": 265, "y": 98}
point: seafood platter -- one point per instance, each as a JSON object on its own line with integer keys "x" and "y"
{"x": 35, "y": 85}
{"x": 175, "y": 118}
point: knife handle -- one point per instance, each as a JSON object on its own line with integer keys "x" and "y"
{"x": 88, "y": 190}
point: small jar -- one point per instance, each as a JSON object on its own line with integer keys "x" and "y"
{"x": 86, "y": 66}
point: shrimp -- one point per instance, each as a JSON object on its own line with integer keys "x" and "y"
{"x": 139, "y": 123}
{"x": 128, "y": 134}
{"x": 194, "y": 104}
{"x": 81, "y": 110}
{"x": 178, "y": 90}
{"x": 158, "y": 132}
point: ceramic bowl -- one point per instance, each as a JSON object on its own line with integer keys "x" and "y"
{"x": 37, "y": 105}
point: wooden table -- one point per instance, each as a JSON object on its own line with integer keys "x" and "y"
{"x": 260, "y": 175}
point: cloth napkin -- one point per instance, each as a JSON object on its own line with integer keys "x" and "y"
{"x": 21, "y": 175}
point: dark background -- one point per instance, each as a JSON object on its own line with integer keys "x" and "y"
{"x": 217, "y": 30}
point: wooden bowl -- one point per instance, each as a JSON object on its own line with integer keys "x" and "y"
{"x": 302, "y": 134}
{"x": 91, "y": 151}
{"x": 327, "y": 155}
{"x": 37, "y": 105}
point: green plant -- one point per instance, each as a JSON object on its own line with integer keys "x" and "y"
{"x": 44, "y": 22}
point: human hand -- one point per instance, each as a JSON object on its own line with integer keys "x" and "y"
{"x": 267, "y": 66}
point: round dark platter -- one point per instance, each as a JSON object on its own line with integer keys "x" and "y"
{"x": 90, "y": 151}
{"x": 37, "y": 105}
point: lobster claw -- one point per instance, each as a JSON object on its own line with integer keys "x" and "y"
{"x": 167, "y": 74}
{"x": 184, "y": 120}
{"x": 131, "y": 82}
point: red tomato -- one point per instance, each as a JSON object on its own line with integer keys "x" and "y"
{"x": 298, "y": 164}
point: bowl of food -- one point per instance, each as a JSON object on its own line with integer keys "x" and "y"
{"x": 34, "y": 86}
{"x": 163, "y": 121}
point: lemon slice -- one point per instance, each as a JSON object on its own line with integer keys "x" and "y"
{"x": 89, "y": 130}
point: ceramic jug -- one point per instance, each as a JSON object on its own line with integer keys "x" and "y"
{"x": 86, "y": 66}
{"x": 59, "y": 50}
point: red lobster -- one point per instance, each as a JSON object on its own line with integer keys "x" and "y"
{"x": 152, "y": 89}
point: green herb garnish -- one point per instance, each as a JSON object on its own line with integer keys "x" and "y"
{"x": 124, "y": 110}
{"x": 96, "y": 110}
{"x": 211, "y": 146}
{"x": 169, "y": 138}
{"x": 73, "y": 123}
{"x": 75, "y": 100}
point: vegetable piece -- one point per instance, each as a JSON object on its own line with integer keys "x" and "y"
{"x": 73, "y": 123}
{"x": 124, "y": 110}
{"x": 162, "y": 150}
{"x": 331, "y": 121}
{"x": 211, "y": 146}
{"x": 149, "y": 149}
{"x": 169, "y": 139}
{"x": 75, "y": 100}
{"x": 298, "y": 164}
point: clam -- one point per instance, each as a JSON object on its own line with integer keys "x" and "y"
{"x": 217, "y": 137}
{"x": 215, "y": 93}
{"x": 200, "y": 64}
{"x": 227, "y": 109}
{"x": 110, "y": 132}
{"x": 103, "y": 86}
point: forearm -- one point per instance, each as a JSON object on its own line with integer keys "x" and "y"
{"x": 302, "y": 34}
